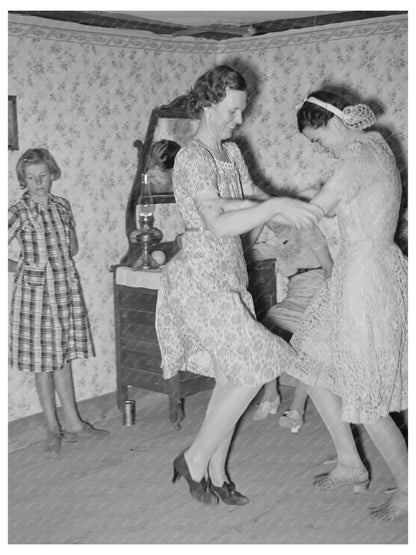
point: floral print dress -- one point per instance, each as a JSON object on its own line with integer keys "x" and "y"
{"x": 205, "y": 316}
{"x": 353, "y": 339}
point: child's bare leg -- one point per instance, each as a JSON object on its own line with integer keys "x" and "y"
{"x": 65, "y": 387}
{"x": 299, "y": 399}
{"x": 45, "y": 388}
{"x": 269, "y": 402}
{"x": 270, "y": 391}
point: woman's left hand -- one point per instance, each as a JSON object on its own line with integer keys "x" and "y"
{"x": 296, "y": 212}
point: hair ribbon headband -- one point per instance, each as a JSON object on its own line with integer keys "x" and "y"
{"x": 359, "y": 116}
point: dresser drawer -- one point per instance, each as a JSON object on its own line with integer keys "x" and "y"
{"x": 141, "y": 361}
{"x": 137, "y": 298}
{"x": 138, "y": 355}
{"x": 138, "y": 345}
{"x": 137, "y": 316}
{"x": 132, "y": 331}
{"x": 145, "y": 380}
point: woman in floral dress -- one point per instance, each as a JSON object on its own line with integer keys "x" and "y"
{"x": 205, "y": 318}
{"x": 352, "y": 344}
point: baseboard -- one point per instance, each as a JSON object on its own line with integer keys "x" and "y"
{"x": 30, "y": 429}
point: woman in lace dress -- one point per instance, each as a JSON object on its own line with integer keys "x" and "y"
{"x": 205, "y": 317}
{"x": 352, "y": 344}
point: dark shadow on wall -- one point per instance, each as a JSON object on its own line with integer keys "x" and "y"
{"x": 254, "y": 85}
{"x": 401, "y": 235}
{"x": 257, "y": 174}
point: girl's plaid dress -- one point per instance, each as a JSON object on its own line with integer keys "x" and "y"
{"x": 48, "y": 322}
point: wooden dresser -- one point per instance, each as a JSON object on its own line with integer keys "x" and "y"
{"x": 138, "y": 356}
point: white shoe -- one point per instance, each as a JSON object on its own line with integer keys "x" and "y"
{"x": 265, "y": 408}
{"x": 291, "y": 419}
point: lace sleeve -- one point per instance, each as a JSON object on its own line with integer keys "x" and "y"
{"x": 349, "y": 178}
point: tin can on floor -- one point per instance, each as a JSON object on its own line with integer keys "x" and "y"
{"x": 129, "y": 414}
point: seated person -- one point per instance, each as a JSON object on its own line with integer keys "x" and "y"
{"x": 303, "y": 262}
{"x": 162, "y": 157}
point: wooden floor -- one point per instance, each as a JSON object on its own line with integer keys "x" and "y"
{"x": 119, "y": 490}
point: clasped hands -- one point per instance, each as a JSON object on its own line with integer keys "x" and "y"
{"x": 291, "y": 211}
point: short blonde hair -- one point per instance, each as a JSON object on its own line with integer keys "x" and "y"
{"x": 36, "y": 156}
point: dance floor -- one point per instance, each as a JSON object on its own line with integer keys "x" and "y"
{"x": 119, "y": 490}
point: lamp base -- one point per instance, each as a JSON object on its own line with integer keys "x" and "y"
{"x": 145, "y": 262}
{"x": 146, "y": 237}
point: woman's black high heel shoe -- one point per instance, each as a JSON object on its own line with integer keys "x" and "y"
{"x": 229, "y": 495}
{"x": 198, "y": 490}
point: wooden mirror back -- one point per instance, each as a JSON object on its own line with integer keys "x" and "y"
{"x": 170, "y": 127}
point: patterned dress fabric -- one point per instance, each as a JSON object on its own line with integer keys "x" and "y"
{"x": 353, "y": 339}
{"x": 205, "y": 316}
{"x": 48, "y": 322}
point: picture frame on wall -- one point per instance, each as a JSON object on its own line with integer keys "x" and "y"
{"x": 12, "y": 121}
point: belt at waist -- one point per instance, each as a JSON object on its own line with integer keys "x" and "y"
{"x": 303, "y": 270}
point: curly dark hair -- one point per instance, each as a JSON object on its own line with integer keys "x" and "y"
{"x": 211, "y": 88}
{"x": 36, "y": 156}
{"x": 311, "y": 115}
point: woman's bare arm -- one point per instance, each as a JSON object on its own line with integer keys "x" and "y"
{"x": 325, "y": 259}
{"x": 248, "y": 216}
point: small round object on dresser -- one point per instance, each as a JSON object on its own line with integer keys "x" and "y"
{"x": 159, "y": 257}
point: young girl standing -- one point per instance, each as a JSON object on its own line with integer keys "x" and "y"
{"x": 48, "y": 323}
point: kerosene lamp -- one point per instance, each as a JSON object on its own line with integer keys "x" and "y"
{"x": 146, "y": 234}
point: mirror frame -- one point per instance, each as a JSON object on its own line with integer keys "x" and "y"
{"x": 177, "y": 109}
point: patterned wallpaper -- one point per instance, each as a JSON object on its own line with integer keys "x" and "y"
{"x": 87, "y": 95}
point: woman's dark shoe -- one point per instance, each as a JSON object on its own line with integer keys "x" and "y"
{"x": 229, "y": 495}
{"x": 198, "y": 490}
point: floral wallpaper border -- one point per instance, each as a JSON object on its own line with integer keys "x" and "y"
{"x": 38, "y": 28}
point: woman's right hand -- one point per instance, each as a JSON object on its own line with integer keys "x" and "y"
{"x": 159, "y": 153}
{"x": 291, "y": 211}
